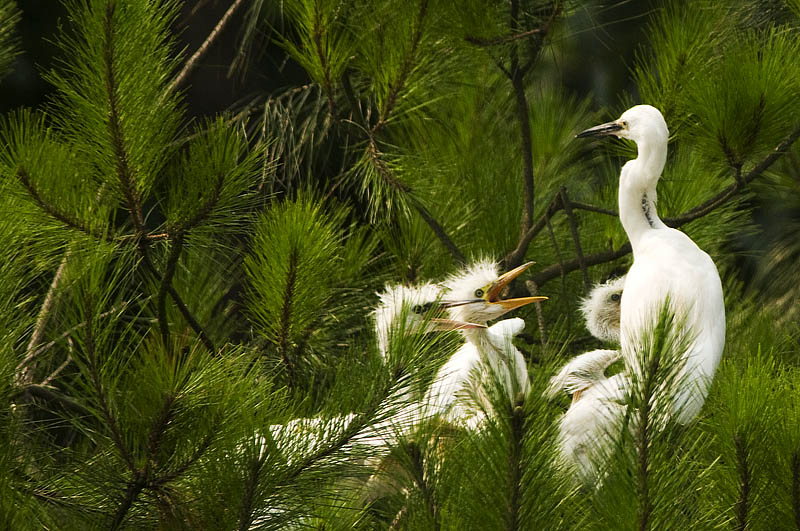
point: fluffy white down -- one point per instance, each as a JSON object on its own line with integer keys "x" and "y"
{"x": 395, "y": 302}
{"x": 588, "y": 429}
{"x": 461, "y": 391}
{"x": 601, "y": 312}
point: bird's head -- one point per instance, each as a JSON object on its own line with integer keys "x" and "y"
{"x": 410, "y": 310}
{"x": 641, "y": 123}
{"x": 475, "y": 294}
{"x": 601, "y": 310}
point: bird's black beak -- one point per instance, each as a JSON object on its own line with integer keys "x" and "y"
{"x": 609, "y": 128}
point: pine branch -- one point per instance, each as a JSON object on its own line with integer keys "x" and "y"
{"x": 105, "y": 410}
{"x": 418, "y": 475}
{"x": 796, "y": 487}
{"x": 405, "y": 70}
{"x": 124, "y": 171}
{"x": 327, "y": 83}
{"x": 63, "y": 217}
{"x": 190, "y": 65}
{"x": 515, "y": 465}
{"x": 134, "y": 487}
{"x": 286, "y": 317}
{"x": 166, "y": 282}
{"x": 386, "y": 173}
{"x": 742, "y": 506}
{"x": 51, "y": 394}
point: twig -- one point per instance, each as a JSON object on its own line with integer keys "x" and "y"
{"x": 517, "y": 78}
{"x": 576, "y": 238}
{"x": 439, "y": 231}
{"x": 41, "y": 320}
{"x": 65, "y": 335}
{"x": 553, "y": 271}
{"x": 515, "y": 257}
{"x": 166, "y": 281}
{"x": 56, "y": 372}
{"x": 533, "y": 289}
{"x": 190, "y": 65}
{"x": 557, "y": 249}
{"x": 503, "y": 39}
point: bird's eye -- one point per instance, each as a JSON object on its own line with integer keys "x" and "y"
{"x": 615, "y": 297}
{"x": 624, "y": 124}
{"x": 478, "y": 293}
{"x": 420, "y": 309}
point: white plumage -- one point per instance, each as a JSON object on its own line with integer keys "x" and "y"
{"x": 667, "y": 265}
{"x": 461, "y": 391}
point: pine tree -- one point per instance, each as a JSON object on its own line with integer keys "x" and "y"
{"x": 187, "y": 304}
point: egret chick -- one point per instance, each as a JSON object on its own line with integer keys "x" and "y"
{"x": 461, "y": 391}
{"x": 667, "y": 266}
{"x": 587, "y": 428}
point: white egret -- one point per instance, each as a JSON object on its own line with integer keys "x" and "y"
{"x": 587, "y": 428}
{"x": 667, "y": 265}
{"x": 461, "y": 391}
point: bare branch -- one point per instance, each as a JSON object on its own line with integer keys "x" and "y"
{"x": 576, "y": 238}
{"x": 41, "y": 321}
{"x": 190, "y": 65}
{"x": 503, "y": 39}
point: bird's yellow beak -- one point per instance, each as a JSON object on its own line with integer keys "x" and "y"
{"x": 609, "y": 128}
{"x": 451, "y": 324}
{"x": 492, "y": 295}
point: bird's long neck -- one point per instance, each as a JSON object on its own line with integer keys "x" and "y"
{"x": 637, "y": 192}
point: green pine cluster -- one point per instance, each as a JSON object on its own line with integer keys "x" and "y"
{"x": 186, "y": 305}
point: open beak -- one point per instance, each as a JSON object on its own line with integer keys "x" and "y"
{"x": 492, "y": 295}
{"x": 610, "y": 128}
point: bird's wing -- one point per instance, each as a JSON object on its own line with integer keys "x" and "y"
{"x": 582, "y": 371}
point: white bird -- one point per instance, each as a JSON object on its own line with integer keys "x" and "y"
{"x": 667, "y": 265}
{"x": 587, "y": 429}
{"x": 462, "y": 390}
{"x": 601, "y": 309}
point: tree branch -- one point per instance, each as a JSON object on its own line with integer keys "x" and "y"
{"x": 122, "y": 163}
{"x": 166, "y": 282}
{"x": 66, "y": 219}
{"x": 190, "y": 65}
{"x": 576, "y": 238}
{"x": 405, "y": 70}
{"x": 503, "y": 39}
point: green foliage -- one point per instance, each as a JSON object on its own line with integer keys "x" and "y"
{"x": 9, "y": 17}
{"x": 301, "y": 262}
{"x": 187, "y": 306}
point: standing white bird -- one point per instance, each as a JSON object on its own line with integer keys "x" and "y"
{"x": 462, "y": 390}
{"x": 667, "y": 265}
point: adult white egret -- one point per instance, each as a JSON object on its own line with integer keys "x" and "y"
{"x": 587, "y": 428}
{"x": 461, "y": 391}
{"x": 667, "y": 265}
